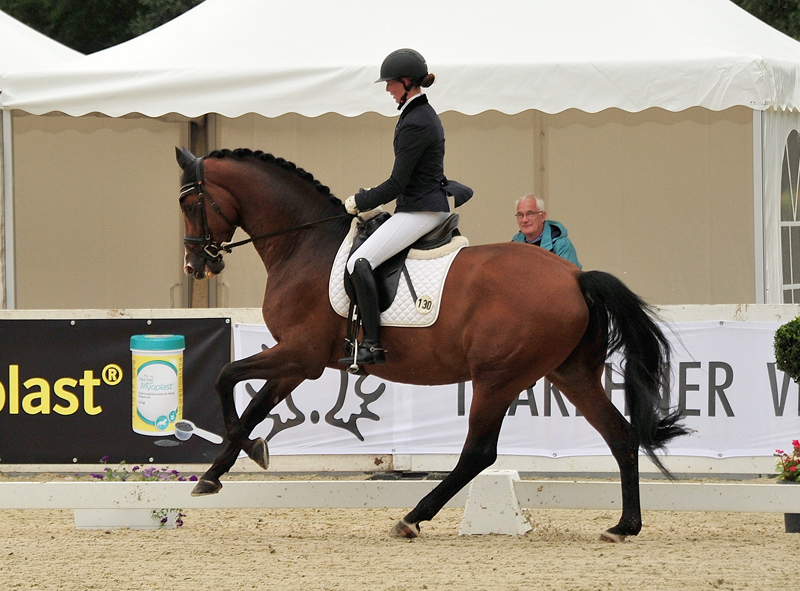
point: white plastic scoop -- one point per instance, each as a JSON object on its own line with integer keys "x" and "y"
{"x": 184, "y": 429}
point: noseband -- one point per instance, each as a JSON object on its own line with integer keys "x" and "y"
{"x": 210, "y": 249}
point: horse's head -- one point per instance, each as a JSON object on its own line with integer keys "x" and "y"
{"x": 207, "y": 226}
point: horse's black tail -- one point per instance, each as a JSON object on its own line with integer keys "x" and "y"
{"x": 629, "y": 325}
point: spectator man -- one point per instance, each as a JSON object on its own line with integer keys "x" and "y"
{"x": 535, "y": 228}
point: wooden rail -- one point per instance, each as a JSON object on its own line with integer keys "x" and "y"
{"x": 544, "y": 494}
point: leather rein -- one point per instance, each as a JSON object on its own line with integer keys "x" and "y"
{"x": 210, "y": 249}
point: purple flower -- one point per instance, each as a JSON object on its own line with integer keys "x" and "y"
{"x": 193, "y": 478}
{"x": 98, "y": 476}
{"x": 104, "y": 459}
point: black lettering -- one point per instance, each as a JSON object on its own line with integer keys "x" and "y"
{"x": 779, "y": 400}
{"x": 530, "y": 402}
{"x": 718, "y": 390}
{"x": 551, "y": 392}
{"x": 684, "y": 387}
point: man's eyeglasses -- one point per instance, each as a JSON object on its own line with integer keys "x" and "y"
{"x": 528, "y": 214}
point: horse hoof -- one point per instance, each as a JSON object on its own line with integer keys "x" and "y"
{"x": 609, "y": 536}
{"x": 259, "y": 453}
{"x": 206, "y": 487}
{"x": 403, "y": 529}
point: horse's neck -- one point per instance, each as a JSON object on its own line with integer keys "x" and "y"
{"x": 309, "y": 248}
{"x": 270, "y": 203}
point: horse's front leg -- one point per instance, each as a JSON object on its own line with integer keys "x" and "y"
{"x": 257, "y": 410}
{"x": 281, "y": 362}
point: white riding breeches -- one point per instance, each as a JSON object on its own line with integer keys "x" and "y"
{"x": 399, "y": 231}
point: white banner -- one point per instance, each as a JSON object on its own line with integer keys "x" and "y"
{"x": 723, "y": 380}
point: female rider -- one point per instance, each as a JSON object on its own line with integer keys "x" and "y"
{"x": 416, "y": 182}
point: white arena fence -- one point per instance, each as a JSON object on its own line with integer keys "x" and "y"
{"x": 495, "y": 508}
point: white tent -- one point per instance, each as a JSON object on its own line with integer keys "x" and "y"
{"x": 313, "y": 56}
{"x": 21, "y": 49}
{"x": 592, "y": 104}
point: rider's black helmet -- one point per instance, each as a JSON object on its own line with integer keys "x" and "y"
{"x": 404, "y": 63}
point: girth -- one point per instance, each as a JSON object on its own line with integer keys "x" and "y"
{"x": 388, "y": 273}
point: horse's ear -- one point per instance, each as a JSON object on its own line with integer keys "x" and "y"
{"x": 185, "y": 157}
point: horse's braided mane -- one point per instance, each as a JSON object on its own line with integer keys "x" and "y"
{"x": 245, "y": 153}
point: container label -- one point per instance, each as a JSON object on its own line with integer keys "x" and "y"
{"x": 157, "y": 393}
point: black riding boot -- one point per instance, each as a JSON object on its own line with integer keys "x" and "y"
{"x": 370, "y": 351}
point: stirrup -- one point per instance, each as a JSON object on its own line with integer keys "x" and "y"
{"x": 365, "y": 354}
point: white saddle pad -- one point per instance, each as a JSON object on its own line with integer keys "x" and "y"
{"x": 427, "y": 269}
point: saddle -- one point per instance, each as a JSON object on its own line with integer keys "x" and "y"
{"x": 388, "y": 273}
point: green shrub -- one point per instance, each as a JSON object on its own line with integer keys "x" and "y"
{"x": 787, "y": 349}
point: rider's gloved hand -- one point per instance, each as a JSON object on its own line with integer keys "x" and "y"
{"x": 350, "y": 205}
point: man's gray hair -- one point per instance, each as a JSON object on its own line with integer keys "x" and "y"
{"x": 539, "y": 201}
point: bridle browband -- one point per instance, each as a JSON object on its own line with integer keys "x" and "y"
{"x": 210, "y": 249}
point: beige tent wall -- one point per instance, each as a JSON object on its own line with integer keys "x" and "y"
{"x": 97, "y": 219}
{"x": 343, "y": 153}
{"x": 496, "y": 155}
{"x": 662, "y": 200}
{"x": 493, "y": 153}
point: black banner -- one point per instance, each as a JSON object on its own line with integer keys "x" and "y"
{"x": 66, "y": 390}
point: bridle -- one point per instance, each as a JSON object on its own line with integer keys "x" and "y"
{"x": 210, "y": 249}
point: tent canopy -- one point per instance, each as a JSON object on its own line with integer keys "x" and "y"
{"x": 22, "y": 48}
{"x": 312, "y": 57}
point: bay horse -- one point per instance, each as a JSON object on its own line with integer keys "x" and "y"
{"x": 510, "y": 315}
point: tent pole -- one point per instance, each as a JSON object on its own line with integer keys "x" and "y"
{"x": 211, "y": 144}
{"x": 758, "y": 206}
{"x": 8, "y": 210}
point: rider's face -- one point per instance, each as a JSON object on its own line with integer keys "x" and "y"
{"x": 396, "y": 89}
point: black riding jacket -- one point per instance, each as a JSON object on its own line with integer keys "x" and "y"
{"x": 418, "y": 172}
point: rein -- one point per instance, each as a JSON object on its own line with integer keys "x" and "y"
{"x": 211, "y": 249}
{"x": 227, "y": 246}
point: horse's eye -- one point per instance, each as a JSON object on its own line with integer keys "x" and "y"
{"x": 189, "y": 208}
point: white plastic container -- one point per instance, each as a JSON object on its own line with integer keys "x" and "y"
{"x": 157, "y": 383}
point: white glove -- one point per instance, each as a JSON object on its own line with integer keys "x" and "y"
{"x": 350, "y": 205}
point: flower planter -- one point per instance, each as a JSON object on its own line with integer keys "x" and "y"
{"x": 791, "y": 521}
{"x": 129, "y": 518}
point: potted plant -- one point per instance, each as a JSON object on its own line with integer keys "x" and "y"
{"x": 787, "y": 349}
{"x": 788, "y": 469}
{"x": 787, "y": 359}
{"x": 132, "y": 517}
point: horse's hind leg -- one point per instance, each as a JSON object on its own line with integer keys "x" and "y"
{"x": 262, "y": 403}
{"x": 583, "y": 388}
{"x": 479, "y": 452}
